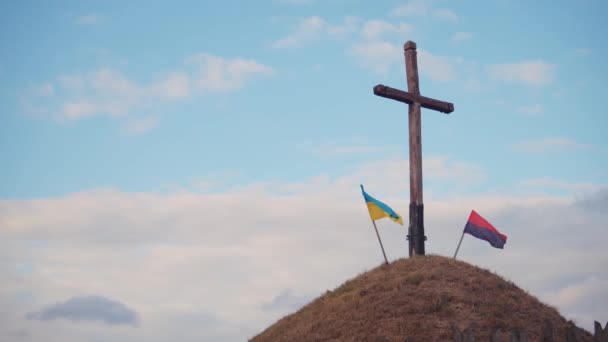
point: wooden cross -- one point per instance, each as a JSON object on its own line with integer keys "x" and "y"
{"x": 414, "y": 100}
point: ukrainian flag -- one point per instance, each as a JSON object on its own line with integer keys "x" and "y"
{"x": 378, "y": 210}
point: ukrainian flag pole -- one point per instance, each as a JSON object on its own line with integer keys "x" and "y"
{"x": 382, "y": 247}
{"x": 377, "y": 234}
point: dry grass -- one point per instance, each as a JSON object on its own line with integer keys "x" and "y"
{"x": 422, "y": 298}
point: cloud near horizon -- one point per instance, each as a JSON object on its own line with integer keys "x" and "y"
{"x": 287, "y": 300}
{"x": 91, "y": 308}
{"x": 232, "y": 252}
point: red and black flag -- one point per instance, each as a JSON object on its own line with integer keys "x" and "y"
{"x": 482, "y": 229}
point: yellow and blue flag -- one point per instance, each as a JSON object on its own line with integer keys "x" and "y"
{"x": 378, "y": 210}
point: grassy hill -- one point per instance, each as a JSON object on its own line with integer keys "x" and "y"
{"x": 421, "y": 298}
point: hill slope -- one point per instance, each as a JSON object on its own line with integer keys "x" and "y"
{"x": 422, "y": 298}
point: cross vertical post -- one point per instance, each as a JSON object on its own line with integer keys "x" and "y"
{"x": 415, "y": 101}
{"x": 416, "y": 227}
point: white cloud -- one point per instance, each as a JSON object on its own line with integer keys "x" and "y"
{"x": 437, "y": 68}
{"x": 444, "y": 168}
{"x": 287, "y": 300}
{"x": 422, "y": 8}
{"x": 175, "y": 85}
{"x": 349, "y": 25}
{"x": 373, "y": 50}
{"x": 535, "y": 109}
{"x": 88, "y": 19}
{"x": 140, "y": 126}
{"x": 71, "y": 82}
{"x": 101, "y": 92}
{"x": 373, "y": 29}
{"x": 551, "y": 144}
{"x": 378, "y": 56}
{"x": 307, "y": 30}
{"x": 313, "y": 28}
{"x": 341, "y": 150}
{"x": 109, "y": 92}
{"x": 472, "y": 84}
{"x": 592, "y": 287}
{"x": 581, "y": 298}
{"x": 459, "y": 37}
{"x": 111, "y": 81}
{"x": 219, "y": 74}
{"x": 555, "y": 184}
{"x": 248, "y": 245}
{"x": 446, "y": 14}
{"x": 352, "y": 147}
{"x": 411, "y": 8}
{"x": 535, "y": 72}
{"x": 78, "y": 110}
{"x": 46, "y": 89}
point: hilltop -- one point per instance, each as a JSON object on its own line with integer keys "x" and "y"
{"x": 421, "y": 298}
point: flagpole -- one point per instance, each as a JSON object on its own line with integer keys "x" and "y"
{"x": 379, "y": 240}
{"x": 457, "y": 248}
{"x": 376, "y": 229}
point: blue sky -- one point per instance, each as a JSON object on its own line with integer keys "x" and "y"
{"x": 315, "y": 92}
{"x": 156, "y": 105}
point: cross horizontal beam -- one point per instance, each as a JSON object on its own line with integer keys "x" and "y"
{"x": 409, "y": 98}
